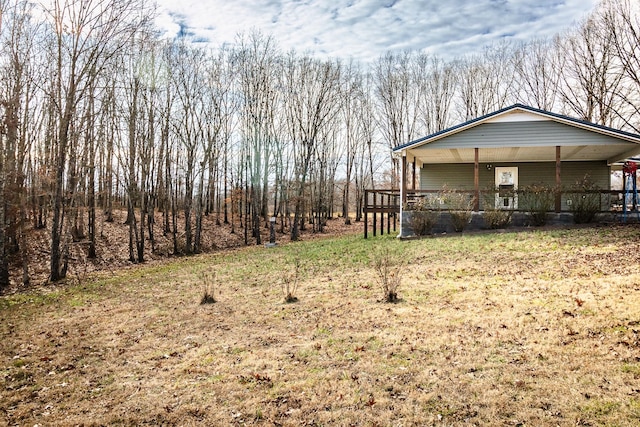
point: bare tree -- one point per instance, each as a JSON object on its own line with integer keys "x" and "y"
{"x": 537, "y": 66}
{"x": 188, "y": 125}
{"x": 229, "y": 104}
{"x": 351, "y": 90}
{"x": 364, "y": 176}
{"x": 590, "y": 75}
{"x": 84, "y": 37}
{"x": 323, "y": 173}
{"x": 311, "y": 102}
{"x": 213, "y": 120}
{"x": 282, "y": 163}
{"x": 397, "y": 101}
{"x": 5, "y": 153}
{"x": 484, "y": 82}
{"x": 622, "y": 19}
{"x": 17, "y": 92}
{"x": 108, "y": 131}
{"x": 258, "y": 65}
{"x": 164, "y": 159}
{"x": 440, "y": 84}
{"x": 130, "y": 146}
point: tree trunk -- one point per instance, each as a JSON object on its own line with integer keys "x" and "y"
{"x": 91, "y": 196}
{"x": 57, "y": 269}
{"x": 4, "y": 253}
{"x": 199, "y": 206}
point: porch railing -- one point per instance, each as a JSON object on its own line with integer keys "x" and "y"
{"x": 384, "y": 205}
{"x": 381, "y": 204}
{"x": 609, "y": 200}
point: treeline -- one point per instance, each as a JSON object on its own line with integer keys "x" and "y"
{"x": 97, "y": 112}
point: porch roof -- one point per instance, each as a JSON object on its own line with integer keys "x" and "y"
{"x": 520, "y": 133}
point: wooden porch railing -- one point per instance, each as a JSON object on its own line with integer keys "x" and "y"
{"x": 381, "y": 202}
{"x": 384, "y": 205}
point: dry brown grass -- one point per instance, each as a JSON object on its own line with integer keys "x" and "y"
{"x": 535, "y": 328}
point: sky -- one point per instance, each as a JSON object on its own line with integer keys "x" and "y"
{"x": 366, "y": 29}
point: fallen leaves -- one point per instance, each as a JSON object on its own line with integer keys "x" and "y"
{"x": 488, "y": 348}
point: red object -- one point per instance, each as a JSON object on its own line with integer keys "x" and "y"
{"x": 630, "y": 168}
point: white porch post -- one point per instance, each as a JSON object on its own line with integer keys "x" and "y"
{"x": 403, "y": 187}
{"x": 558, "y": 204}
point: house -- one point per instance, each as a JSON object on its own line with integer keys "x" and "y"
{"x": 514, "y": 147}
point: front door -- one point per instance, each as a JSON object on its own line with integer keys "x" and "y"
{"x": 507, "y": 185}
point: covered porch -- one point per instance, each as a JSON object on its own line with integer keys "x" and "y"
{"x": 382, "y": 216}
{"x": 510, "y": 150}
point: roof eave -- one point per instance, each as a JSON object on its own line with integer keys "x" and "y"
{"x": 593, "y": 127}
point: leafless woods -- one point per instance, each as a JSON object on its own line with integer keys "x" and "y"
{"x": 98, "y": 113}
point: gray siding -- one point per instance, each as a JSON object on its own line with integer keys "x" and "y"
{"x": 454, "y": 176}
{"x": 460, "y": 176}
{"x": 524, "y": 134}
{"x": 573, "y": 172}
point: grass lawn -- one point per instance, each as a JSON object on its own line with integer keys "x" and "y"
{"x": 534, "y": 328}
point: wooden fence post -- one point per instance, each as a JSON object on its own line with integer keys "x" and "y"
{"x": 366, "y": 214}
{"x": 375, "y": 216}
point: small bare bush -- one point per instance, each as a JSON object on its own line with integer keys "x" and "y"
{"x": 585, "y": 197}
{"x": 538, "y": 200}
{"x": 208, "y": 280}
{"x": 497, "y": 218}
{"x": 460, "y": 208}
{"x": 494, "y": 216}
{"x": 425, "y": 213}
{"x": 388, "y": 269}
{"x": 290, "y": 282}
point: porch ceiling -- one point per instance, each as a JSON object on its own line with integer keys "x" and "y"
{"x": 611, "y": 152}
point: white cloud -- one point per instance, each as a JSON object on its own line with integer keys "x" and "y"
{"x": 365, "y": 29}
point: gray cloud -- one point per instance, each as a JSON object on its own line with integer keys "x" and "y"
{"x": 365, "y": 29}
